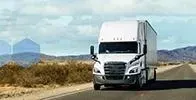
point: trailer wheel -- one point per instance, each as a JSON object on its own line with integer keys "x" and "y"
{"x": 155, "y": 75}
{"x": 97, "y": 86}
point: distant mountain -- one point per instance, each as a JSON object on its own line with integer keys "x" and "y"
{"x": 61, "y": 58}
{"x": 78, "y": 57}
{"x": 180, "y": 54}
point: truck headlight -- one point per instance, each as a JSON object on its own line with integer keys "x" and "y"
{"x": 135, "y": 64}
{"x": 96, "y": 70}
{"x": 134, "y": 70}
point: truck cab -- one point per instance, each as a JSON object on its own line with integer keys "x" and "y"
{"x": 123, "y": 56}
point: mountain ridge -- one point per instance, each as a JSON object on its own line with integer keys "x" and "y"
{"x": 179, "y": 54}
{"x": 175, "y": 55}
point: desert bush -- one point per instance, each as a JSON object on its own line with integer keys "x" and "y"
{"x": 173, "y": 63}
{"x": 167, "y": 63}
{"x": 192, "y": 62}
{"x": 9, "y": 73}
{"x": 46, "y": 74}
{"x": 162, "y": 64}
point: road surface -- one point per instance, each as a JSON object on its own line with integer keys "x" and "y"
{"x": 176, "y": 84}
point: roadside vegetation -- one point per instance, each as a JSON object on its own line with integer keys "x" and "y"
{"x": 168, "y": 63}
{"x": 41, "y": 74}
{"x": 16, "y": 80}
{"x": 53, "y": 73}
{"x": 192, "y": 62}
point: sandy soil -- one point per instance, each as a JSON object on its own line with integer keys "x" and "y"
{"x": 9, "y": 91}
{"x": 44, "y": 93}
{"x": 162, "y": 69}
{"x": 193, "y": 67}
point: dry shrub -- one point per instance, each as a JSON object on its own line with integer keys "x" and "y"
{"x": 9, "y": 73}
{"x": 79, "y": 72}
{"x": 167, "y": 63}
{"x": 162, "y": 64}
{"x": 46, "y": 74}
{"x": 192, "y": 62}
{"x": 173, "y": 63}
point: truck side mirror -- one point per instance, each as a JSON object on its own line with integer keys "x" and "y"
{"x": 93, "y": 56}
{"x": 137, "y": 57}
{"x": 145, "y": 49}
{"x": 92, "y": 50}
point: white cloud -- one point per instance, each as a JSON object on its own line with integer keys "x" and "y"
{"x": 49, "y": 7}
{"x": 86, "y": 17}
{"x": 130, "y": 7}
{"x": 160, "y": 19}
{"x": 42, "y": 9}
{"x": 7, "y": 4}
{"x": 47, "y": 21}
{"x": 61, "y": 21}
{"x": 125, "y": 7}
{"x": 116, "y": 7}
{"x": 170, "y": 39}
{"x": 87, "y": 29}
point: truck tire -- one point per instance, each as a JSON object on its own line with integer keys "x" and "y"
{"x": 107, "y": 86}
{"x": 138, "y": 83}
{"x": 96, "y": 86}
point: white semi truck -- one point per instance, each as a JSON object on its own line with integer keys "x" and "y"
{"x": 126, "y": 54}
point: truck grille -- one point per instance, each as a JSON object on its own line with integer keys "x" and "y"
{"x": 114, "y": 77}
{"x": 114, "y": 70}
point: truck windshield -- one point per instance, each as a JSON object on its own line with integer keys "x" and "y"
{"x": 118, "y": 47}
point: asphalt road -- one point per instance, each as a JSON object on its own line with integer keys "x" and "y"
{"x": 175, "y": 84}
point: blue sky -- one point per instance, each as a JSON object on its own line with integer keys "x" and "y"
{"x": 69, "y": 27}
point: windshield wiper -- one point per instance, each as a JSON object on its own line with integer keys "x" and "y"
{"x": 128, "y": 51}
{"x": 117, "y": 51}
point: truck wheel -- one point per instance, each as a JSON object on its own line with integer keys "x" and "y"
{"x": 97, "y": 87}
{"x": 139, "y": 83}
{"x": 107, "y": 86}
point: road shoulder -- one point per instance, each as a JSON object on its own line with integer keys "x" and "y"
{"x": 193, "y": 67}
{"x": 53, "y": 93}
{"x": 162, "y": 69}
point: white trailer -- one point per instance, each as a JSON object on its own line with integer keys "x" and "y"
{"x": 126, "y": 55}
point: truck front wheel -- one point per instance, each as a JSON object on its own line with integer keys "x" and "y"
{"x": 97, "y": 86}
{"x": 139, "y": 83}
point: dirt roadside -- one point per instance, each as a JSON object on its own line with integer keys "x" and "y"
{"x": 13, "y": 93}
{"x": 162, "y": 69}
{"x": 193, "y": 67}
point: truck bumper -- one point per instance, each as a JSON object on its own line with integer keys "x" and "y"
{"x": 127, "y": 80}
